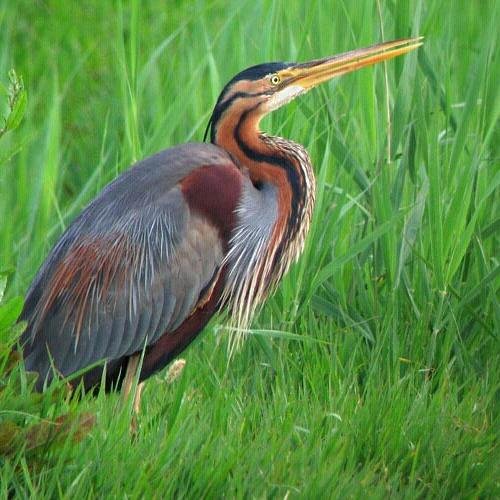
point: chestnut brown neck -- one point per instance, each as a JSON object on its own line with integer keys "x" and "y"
{"x": 274, "y": 160}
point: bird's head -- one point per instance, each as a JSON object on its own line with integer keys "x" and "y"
{"x": 260, "y": 89}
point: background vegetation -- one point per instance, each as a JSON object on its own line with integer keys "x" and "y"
{"x": 374, "y": 369}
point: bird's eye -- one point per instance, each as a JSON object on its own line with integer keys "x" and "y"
{"x": 275, "y": 79}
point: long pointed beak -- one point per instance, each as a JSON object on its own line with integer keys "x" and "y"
{"x": 308, "y": 75}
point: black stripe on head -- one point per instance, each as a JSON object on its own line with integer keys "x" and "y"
{"x": 253, "y": 73}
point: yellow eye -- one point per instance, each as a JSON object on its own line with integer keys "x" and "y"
{"x": 275, "y": 79}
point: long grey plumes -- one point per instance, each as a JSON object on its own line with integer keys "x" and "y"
{"x": 251, "y": 260}
{"x": 256, "y": 215}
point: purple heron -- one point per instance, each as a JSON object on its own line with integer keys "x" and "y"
{"x": 181, "y": 235}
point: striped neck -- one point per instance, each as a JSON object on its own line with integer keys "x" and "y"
{"x": 277, "y": 161}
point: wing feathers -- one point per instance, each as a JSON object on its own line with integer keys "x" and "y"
{"x": 131, "y": 267}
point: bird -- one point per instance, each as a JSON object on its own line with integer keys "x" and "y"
{"x": 185, "y": 233}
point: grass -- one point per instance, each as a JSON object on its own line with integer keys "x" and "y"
{"x": 374, "y": 368}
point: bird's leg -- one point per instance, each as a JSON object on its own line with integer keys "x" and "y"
{"x": 133, "y": 361}
{"x": 134, "y": 422}
{"x": 128, "y": 382}
{"x": 137, "y": 398}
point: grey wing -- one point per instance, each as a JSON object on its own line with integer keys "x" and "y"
{"x": 131, "y": 267}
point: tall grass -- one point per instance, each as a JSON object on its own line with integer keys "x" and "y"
{"x": 374, "y": 368}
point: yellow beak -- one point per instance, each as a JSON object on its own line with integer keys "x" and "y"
{"x": 308, "y": 75}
